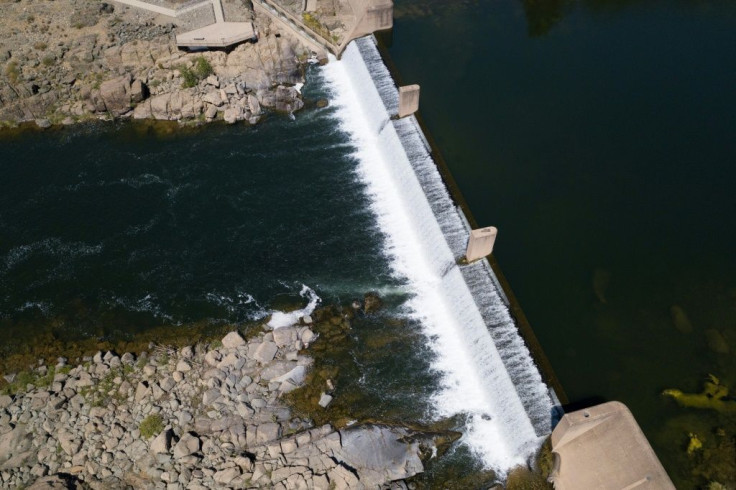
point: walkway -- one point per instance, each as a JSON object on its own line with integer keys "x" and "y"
{"x": 221, "y": 34}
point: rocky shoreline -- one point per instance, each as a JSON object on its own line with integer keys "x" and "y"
{"x": 69, "y": 61}
{"x": 204, "y": 416}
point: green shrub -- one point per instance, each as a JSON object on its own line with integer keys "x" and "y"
{"x": 202, "y": 68}
{"x": 192, "y": 76}
{"x": 48, "y": 60}
{"x": 12, "y": 71}
{"x": 189, "y": 78}
{"x": 151, "y": 426}
{"x": 40, "y": 46}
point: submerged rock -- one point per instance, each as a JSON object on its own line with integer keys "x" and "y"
{"x": 372, "y": 302}
{"x": 680, "y": 319}
{"x": 714, "y": 396}
{"x": 716, "y": 342}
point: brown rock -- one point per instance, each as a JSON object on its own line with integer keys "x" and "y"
{"x": 116, "y": 95}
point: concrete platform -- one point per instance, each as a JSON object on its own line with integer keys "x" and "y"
{"x": 603, "y": 448}
{"x": 219, "y": 35}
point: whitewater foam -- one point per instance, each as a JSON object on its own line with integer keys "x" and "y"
{"x": 505, "y": 402}
{"x": 280, "y": 319}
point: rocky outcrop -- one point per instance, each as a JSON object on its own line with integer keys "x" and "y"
{"x": 116, "y": 95}
{"x": 193, "y": 418}
{"x": 107, "y": 67}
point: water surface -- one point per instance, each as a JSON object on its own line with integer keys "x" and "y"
{"x": 599, "y": 138}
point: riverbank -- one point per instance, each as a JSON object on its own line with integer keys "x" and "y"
{"x": 203, "y": 416}
{"x": 69, "y": 61}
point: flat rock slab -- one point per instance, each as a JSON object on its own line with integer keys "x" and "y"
{"x": 379, "y": 453}
{"x": 265, "y": 352}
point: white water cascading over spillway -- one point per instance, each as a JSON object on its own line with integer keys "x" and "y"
{"x": 486, "y": 370}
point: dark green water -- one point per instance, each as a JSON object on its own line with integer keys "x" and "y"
{"x": 113, "y": 229}
{"x": 600, "y": 137}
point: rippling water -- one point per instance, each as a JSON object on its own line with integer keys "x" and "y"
{"x": 118, "y": 227}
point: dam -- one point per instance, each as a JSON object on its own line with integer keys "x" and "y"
{"x": 488, "y": 373}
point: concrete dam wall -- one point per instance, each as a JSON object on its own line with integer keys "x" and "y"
{"x": 488, "y": 373}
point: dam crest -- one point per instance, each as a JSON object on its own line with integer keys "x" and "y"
{"x": 488, "y": 374}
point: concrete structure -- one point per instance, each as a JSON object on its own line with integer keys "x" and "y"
{"x": 295, "y": 25}
{"x": 408, "y": 100}
{"x": 163, "y": 10}
{"x": 481, "y": 243}
{"x": 365, "y": 17}
{"x": 370, "y": 16}
{"x": 603, "y": 448}
{"x": 219, "y": 35}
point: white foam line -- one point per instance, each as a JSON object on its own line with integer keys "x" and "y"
{"x": 474, "y": 380}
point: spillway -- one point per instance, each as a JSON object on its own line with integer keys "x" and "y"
{"x": 487, "y": 372}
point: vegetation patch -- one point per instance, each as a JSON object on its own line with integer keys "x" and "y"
{"x": 313, "y": 23}
{"x": 151, "y": 426}
{"x": 192, "y": 76}
{"x": 12, "y": 71}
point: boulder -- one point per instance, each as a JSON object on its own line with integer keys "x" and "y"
{"x": 372, "y": 302}
{"x": 187, "y": 445}
{"x": 296, "y": 376}
{"x": 212, "y": 358}
{"x": 253, "y": 104}
{"x": 138, "y": 91}
{"x": 232, "y": 340}
{"x": 211, "y": 112}
{"x": 116, "y": 94}
{"x": 265, "y": 352}
{"x": 308, "y": 336}
{"x": 210, "y": 396}
{"x": 276, "y": 369}
{"x": 183, "y": 366}
{"x": 231, "y": 361}
{"x": 233, "y": 115}
{"x": 69, "y": 443}
{"x": 162, "y": 443}
{"x": 284, "y": 336}
{"x": 213, "y": 81}
{"x": 224, "y": 477}
{"x": 716, "y": 342}
{"x": 267, "y": 432}
{"x": 160, "y": 107}
{"x": 15, "y": 447}
{"x": 142, "y": 391}
{"x": 55, "y": 482}
{"x": 213, "y": 98}
{"x": 5, "y": 401}
{"x": 325, "y": 400}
